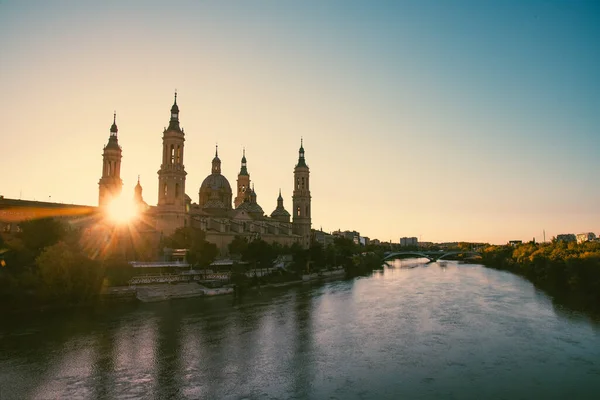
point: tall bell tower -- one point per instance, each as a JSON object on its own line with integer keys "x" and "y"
{"x": 301, "y": 200}
{"x": 110, "y": 184}
{"x": 171, "y": 212}
{"x": 243, "y": 183}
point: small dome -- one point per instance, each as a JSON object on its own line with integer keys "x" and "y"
{"x": 280, "y": 212}
{"x": 251, "y": 208}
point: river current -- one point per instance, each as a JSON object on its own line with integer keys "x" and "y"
{"x": 411, "y": 331}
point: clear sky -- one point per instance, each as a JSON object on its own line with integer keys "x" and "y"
{"x": 446, "y": 120}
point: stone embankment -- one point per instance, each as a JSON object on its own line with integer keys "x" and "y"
{"x": 151, "y": 293}
{"x": 181, "y": 290}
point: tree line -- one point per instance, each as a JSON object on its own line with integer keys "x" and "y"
{"x": 54, "y": 263}
{"x": 567, "y": 270}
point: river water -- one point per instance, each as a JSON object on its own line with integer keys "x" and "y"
{"x": 451, "y": 331}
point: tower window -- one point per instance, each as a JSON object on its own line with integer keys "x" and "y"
{"x": 302, "y": 182}
{"x": 178, "y": 154}
{"x": 172, "y": 154}
{"x": 298, "y": 183}
{"x": 307, "y": 211}
{"x": 165, "y": 190}
{"x": 298, "y": 211}
{"x": 177, "y": 190}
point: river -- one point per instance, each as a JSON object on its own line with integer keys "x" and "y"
{"x": 429, "y": 331}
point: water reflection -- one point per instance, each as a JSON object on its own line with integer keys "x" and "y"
{"x": 422, "y": 332}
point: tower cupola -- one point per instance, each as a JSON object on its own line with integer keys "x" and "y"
{"x": 280, "y": 213}
{"x": 113, "y": 129}
{"x": 301, "y": 161}
{"x": 216, "y": 162}
{"x": 244, "y": 169}
{"x": 174, "y": 122}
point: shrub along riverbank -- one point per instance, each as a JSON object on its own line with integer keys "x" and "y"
{"x": 568, "y": 271}
{"x": 51, "y": 264}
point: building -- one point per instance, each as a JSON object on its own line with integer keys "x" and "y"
{"x": 515, "y": 243}
{"x": 350, "y": 235}
{"x": 213, "y": 213}
{"x": 409, "y": 241}
{"x": 586, "y": 237}
{"x": 325, "y": 239}
{"x": 566, "y": 237}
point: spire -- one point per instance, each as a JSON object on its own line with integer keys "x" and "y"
{"x": 280, "y": 214}
{"x": 301, "y": 161}
{"x": 174, "y": 122}
{"x": 113, "y": 141}
{"x": 175, "y": 108}
{"x": 216, "y": 162}
{"x": 243, "y": 169}
{"x": 137, "y": 192}
{"x": 113, "y": 128}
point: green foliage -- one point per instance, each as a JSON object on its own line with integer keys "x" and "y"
{"x": 558, "y": 267}
{"x": 206, "y": 254}
{"x": 199, "y": 251}
{"x": 38, "y": 234}
{"x": 238, "y": 245}
{"x": 117, "y": 271}
{"x": 67, "y": 275}
{"x": 260, "y": 253}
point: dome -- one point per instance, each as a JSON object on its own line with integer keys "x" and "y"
{"x": 251, "y": 208}
{"x": 280, "y": 212}
{"x": 216, "y": 181}
{"x": 215, "y": 193}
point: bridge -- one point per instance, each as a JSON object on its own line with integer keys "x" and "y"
{"x": 432, "y": 256}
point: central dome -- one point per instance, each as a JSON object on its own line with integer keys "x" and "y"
{"x": 215, "y": 190}
{"x": 216, "y": 181}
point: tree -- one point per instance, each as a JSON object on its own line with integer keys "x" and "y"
{"x": 67, "y": 275}
{"x": 199, "y": 251}
{"x": 259, "y": 252}
{"x": 316, "y": 255}
{"x": 238, "y": 245}
{"x": 38, "y": 234}
{"x": 206, "y": 254}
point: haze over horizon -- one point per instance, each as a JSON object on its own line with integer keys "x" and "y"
{"x": 449, "y": 121}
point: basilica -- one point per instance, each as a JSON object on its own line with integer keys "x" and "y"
{"x": 220, "y": 215}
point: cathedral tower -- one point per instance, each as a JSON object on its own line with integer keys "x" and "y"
{"x": 110, "y": 184}
{"x": 243, "y": 183}
{"x": 301, "y": 200}
{"x": 171, "y": 212}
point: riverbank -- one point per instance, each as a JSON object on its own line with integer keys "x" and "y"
{"x": 163, "y": 292}
{"x": 566, "y": 271}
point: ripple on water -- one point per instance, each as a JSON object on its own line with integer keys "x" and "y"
{"x": 458, "y": 332}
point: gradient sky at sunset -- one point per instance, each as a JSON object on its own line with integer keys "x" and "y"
{"x": 446, "y": 120}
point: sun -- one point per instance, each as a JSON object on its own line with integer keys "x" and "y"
{"x": 122, "y": 210}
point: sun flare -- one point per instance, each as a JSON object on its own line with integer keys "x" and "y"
{"x": 122, "y": 210}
